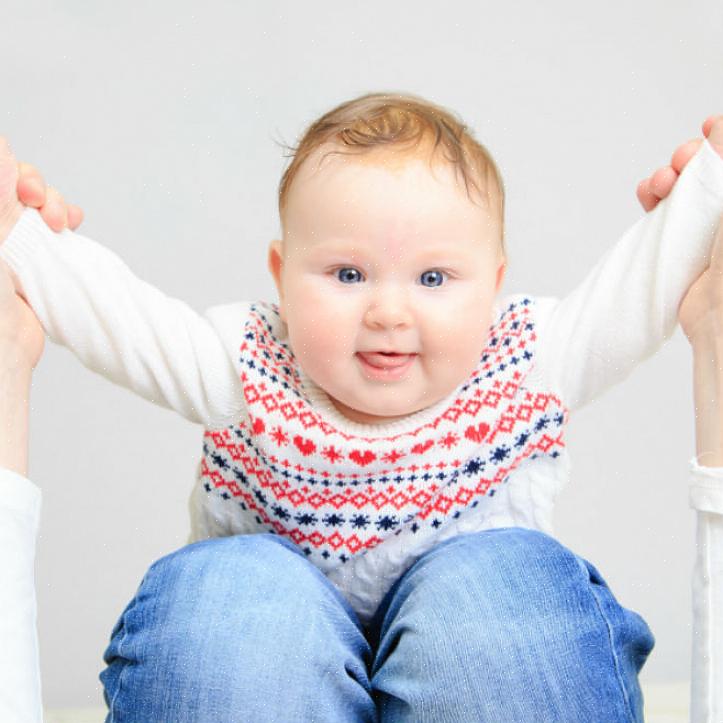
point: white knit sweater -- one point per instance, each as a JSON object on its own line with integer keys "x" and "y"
{"x": 622, "y": 312}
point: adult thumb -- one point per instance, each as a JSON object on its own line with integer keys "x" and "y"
{"x": 9, "y": 280}
{"x": 716, "y": 254}
{"x": 715, "y": 135}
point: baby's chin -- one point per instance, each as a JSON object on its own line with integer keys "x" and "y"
{"x": 373, "y": 416}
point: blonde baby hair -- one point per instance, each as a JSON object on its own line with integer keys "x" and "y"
{"x": 377, "y": 120}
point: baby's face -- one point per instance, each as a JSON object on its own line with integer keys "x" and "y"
{"x": 381, "y": 256}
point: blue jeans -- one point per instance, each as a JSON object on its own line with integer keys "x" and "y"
{"x": 500, "y": 626}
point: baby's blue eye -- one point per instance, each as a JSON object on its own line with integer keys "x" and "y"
{"x": 439, "y": 274}
{"x": 349, "y": 274}
{"x": 345, "y": 272}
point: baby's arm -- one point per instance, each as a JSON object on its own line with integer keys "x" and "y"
{"x": 87, "y": 299}
{"x": 118, "y": 325}
{"x": 626, "y": 307}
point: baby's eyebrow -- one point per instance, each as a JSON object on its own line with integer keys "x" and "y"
{"x": 444, "y": 251}
{"x": 333, "y": 247}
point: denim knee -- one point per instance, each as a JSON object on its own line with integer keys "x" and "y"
{"x": 186, "y": 597}
{"x": 266, "y": 567}
{"x": 194, "y": 624}
{"x": 513, "y": 615}
{"x": 214, "y": 627}
{"x": 494, "y": 553}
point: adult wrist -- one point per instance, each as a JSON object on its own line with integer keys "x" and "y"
{"x": 15, "y": 385}
{"x": 8, "y": 223}
{"x": 708, "y": 398}
{"x": 708, "y": 359}
{"x": 15, "y": 367}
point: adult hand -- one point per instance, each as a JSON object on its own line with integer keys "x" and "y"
{"x": 655, "y": 188}
{"x": 22, "y": 183}
{"x": 701, "y": 311}
{"x": 21, "y": 335}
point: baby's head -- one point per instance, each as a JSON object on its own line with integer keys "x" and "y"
{"x": 384, "y": 249}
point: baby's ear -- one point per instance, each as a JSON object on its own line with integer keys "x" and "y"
{"x": 501, "y": 271}
{"x": 275, "y": 264}
{"x": 275, "y": 260}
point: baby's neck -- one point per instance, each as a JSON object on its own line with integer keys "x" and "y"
{"x": 355, "y": 415}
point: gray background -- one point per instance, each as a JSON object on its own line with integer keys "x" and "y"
{"x": 160, "y": 120}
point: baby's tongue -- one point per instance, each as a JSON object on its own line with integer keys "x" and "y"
{"x": 386, "y": 361}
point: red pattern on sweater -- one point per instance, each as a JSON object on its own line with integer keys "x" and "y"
{"x": 288, "y": 470}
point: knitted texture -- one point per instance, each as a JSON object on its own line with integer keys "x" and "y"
{"x": 289, "y": 471}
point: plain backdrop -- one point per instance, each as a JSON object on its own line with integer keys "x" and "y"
{"x": 163, "y": 121}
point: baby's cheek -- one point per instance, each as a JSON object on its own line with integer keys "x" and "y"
{"x": 453, "y": 324}
{"x": 323, "y": 332}
{"x": 457, "y": 341}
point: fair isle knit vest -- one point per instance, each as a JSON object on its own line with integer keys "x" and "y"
{"x": 287, "y": 470}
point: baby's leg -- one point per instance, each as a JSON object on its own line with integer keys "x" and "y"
{"x": 507, "y": 625}
{"x": 237, "y": 629}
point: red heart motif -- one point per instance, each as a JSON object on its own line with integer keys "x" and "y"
{"x": 478, "y": 433}
{"x": 258, "y": 426}
{"x": 305, "y": 446}
{"x": 422, "y": 447}
{"x": 362, "y": 458}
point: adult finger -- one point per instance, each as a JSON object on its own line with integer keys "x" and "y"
{"x": 648, "y": 200}
{"x": 7, "y": 288}
{"x": 708, "y": 124}
{"x": 8, "y": 173}
{"x": 31, "y": 185}
{"x": 54, "y": 211}
{"x": 716, "y": 256}
{"x": 75, "y": 216}
{"x": 684, "y": 153}
{"x": 13, "y": 278}
{"x": 662, "y": 181}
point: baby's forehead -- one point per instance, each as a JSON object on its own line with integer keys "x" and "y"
{"x": 392, "y": 158}
{"x": 413, "y": 185}
{"x": 380, "y": 176}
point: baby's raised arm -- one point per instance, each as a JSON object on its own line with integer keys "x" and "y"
{"x": 118, "y": 325}
{"x": 627, "y": 305}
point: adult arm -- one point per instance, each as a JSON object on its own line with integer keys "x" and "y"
{"x": 706, "y": 498}
{"x": 701, "y": 319}
{"x": 20, "y": 502}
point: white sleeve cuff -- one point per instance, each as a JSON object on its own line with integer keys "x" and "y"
{"x": 20, "y": 690}
{"x": 705, "y": 488}
{"x": 19, "y": 494}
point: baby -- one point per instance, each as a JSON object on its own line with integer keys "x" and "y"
{"x": 392, "y": 399}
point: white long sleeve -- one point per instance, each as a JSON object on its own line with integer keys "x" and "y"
{"x": 626, "y": 307}
{"x": 20, "y": 693}
{"x": 88, "y": 300}
{"x": 706, "y": 690}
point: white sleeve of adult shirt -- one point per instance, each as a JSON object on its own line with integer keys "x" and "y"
{"x": 122, "y": 327}
{"x": 626, "y": 307}
{"x": 20, "y": 691}
{"x": 706, "y": 690}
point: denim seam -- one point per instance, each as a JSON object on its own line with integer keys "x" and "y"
{"x": 123, "y": 669}
{"x": 626, "y": 698}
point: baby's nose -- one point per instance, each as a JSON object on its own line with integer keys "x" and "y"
{"x": 389, "y": 309}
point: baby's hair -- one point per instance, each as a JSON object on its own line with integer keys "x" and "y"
{"x": 375, "y": 120}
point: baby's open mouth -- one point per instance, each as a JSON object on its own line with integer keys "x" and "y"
{"x": 385, "y": 359}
